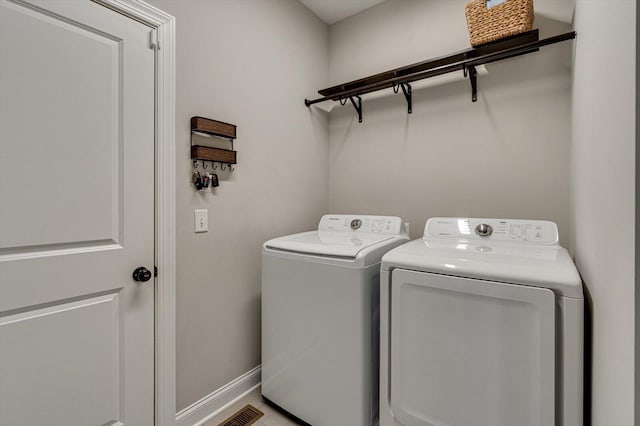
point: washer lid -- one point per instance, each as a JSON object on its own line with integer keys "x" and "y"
{"x": 344, "y": 236}
{"x": 328, "y": 243}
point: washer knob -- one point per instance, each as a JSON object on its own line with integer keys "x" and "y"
{"x": 484, "y": 230}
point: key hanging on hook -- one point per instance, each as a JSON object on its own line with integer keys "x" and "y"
{"x": 197, "y": 180}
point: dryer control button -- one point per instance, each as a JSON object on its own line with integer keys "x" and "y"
{"x": 484, "y": 230}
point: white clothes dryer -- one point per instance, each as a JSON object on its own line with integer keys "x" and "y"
{"x": 320, "y": 318}
{"x": 481, "y": 325}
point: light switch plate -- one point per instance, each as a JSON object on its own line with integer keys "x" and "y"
{"x": 201, "y": 221}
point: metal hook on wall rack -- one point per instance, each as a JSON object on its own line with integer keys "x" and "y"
{"x": 195, "y": 164}
{"x": 222, "y": 167}
{"x": 214, "y": 166}
{"x": 231, "y": 168}
{"x": 204, "y": 165}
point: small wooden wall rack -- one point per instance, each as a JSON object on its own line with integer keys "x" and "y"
{"x": 465, "y": 60}
{"x": 208, "y": 127}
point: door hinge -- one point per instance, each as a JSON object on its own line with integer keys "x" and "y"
{"x": 155, "y": 271}
{"x": 154, "y": 41}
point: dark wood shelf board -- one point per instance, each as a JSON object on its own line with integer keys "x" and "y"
{"x": 219, "y": 155}
{"x": 430, "y": 64}
{"x": 517, "y": 45}
{"x": 213, "y": 127}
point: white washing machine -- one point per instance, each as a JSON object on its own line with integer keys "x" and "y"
{"x": 320, "y": 318}
{"x": 481, "y": 325}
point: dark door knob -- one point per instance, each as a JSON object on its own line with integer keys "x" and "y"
{"x": 141, "y": 274}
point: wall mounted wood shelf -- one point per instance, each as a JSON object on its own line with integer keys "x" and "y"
{"x": 213, "y": 127}
{"x": 217, "y": 155}
{"x": 218, "y": 129}
{"x": 465, "y": 60}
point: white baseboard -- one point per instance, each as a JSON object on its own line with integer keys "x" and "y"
{"x": 209, "y": 406}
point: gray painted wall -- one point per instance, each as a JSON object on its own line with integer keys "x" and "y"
{"x": 603, "y": 197}
{"x": 506, "y": 155}
{"x": 249, "y": 63}
{"x": 637, "y": 234}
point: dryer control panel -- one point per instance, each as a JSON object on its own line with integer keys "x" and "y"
{"x": 523, "y": 231}
{"x": 373, "y": 224}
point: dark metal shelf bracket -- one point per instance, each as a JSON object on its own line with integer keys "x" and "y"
{"x": 473, "y": 78}
{"x": 406, "y": 89}
{"x": 357, "y": 106}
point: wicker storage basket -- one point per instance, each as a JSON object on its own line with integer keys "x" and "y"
{"x": 507, "y": 19}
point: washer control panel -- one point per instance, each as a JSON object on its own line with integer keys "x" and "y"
{"x": 524, "y": 231}
{"x": 372, "y": 224}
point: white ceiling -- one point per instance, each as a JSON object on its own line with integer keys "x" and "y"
{"x": 332, "y": 11}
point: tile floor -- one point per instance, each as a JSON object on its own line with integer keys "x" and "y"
{"x": 271, "y": 417}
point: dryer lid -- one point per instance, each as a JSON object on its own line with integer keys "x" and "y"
{"x": 527, "y": 233}
{"x": 514, "y": 251}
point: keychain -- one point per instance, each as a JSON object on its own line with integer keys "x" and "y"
{"x": 205, "y": 180}
{"x": 214, "y": 180}
{"x": 197, "y": 180}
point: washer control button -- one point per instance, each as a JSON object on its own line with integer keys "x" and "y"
{"x": 484, "y": 230}
{"x": 356, "y": 224}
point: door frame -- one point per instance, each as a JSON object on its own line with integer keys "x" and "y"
{"x": 165, "y": 239}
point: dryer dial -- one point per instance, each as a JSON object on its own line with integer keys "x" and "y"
{"x": 484, "y": 230}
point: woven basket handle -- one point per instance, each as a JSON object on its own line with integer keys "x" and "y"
{"x": 488, "y": 5}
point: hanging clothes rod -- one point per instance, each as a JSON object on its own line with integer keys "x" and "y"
{"x": 465, "y": 60}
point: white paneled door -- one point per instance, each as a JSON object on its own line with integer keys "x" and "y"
{"x": 76, "y": 215}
